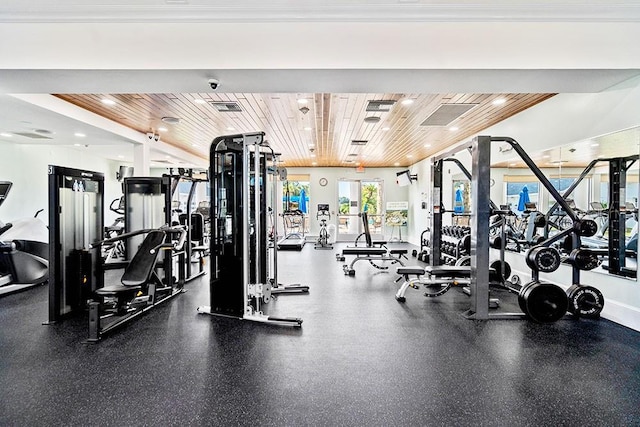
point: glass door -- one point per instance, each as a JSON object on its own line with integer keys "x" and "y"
{"x": 354, "y": 197}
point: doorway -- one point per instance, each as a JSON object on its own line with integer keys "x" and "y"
{"x": 355, "y": 196}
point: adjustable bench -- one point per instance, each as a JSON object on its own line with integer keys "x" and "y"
{"x": 371, "y": 255}
{"x": 440, "y": 278}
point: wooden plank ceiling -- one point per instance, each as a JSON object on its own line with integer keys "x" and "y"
{"x": 320, "y": 136}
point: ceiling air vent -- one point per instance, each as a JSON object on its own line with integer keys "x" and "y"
{"x": 352, "y": 155}
{"x": 32, "y": 135}
{"x": 446, "y": 113}
{"x": 359, "y": 142}
{"x": 380, "y": 106}
{"x": 372, "y": 119}
{"x": 226, "y": 107}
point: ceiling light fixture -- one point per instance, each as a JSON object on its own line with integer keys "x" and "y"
{"x": 108, "y": 101}
{"x": 499, "y": 101}
{"x": 453, "y": 128}
{"x": 6, "y": 134}
{"x": 386, "y": 128}
{"x": 162, "y": 129}
{"x": 199, "y": 101}
{"x": 314, "y": 163}
{"x": 120, "y": 156}
{"x": 231, "y": 128}
{"x": 307, "y": 128}
{"x": 409, "y": 156}
{"x": 171, "y": 120}
{"x": 79, "y": 134}
{"x": 427, "y": 145}
{"x": 407, "y": 101}
{"x": 396, "y": 164}
{"x": 77, "y": 145}
{"x": 302, "y": 101}
{"x": 313, "y": 155}
{"x": 595, "y": 144}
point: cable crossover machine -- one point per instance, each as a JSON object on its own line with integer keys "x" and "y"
{"x": 243, "y": 179}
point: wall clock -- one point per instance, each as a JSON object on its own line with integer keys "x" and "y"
{"x": 323, "y": 181}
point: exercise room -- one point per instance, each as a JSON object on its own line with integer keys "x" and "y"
{"x": 357, "y": 213}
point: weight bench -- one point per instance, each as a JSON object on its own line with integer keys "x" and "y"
{"x": 440, "y": 279}
{"x": 371, "y": 255}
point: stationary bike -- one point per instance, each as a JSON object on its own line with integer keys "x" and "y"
{"x": 323, "y": 241}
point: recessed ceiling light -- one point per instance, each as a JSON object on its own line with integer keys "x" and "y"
{"x": 120, "y": 156}
{"x": 453, "y": 128}
{"x": 595, "y": 144}
{"x": 314, "y": 163}
{"x": 199, "y": 101}
{"x": 499, "y": 101}
{"x": 161, "y": 129}
{"x": 307, "y": 128}
{"x": 302, "y": 101}
{"x": 409, "y": 155}
{"x": 231, "y": 128}
{"x": 167, "y": 157}
{"x": 427, "y": 145}
{"x": 313, "y": 155}
{"x": 193, "y": 144}
{"x": 77, "y": 145}
{"x": 108, "y": 101}
{"x": 79, "y": 134}
{"x": 546, "y": 156}
{"x": 396, "y": 164}
{"x": 384, "y": 129}
{"x": 407, "y": 101}
{"x": 512, "y": 164}
{"x": 6, "y": 134}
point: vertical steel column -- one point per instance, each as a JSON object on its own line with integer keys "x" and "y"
{"x": 256, "y": 211}
{"x": 480, "y": 194}
{"x": 246, "y": 227}
{"x": 436, "y": 214}
{"x": 617, "y": 215}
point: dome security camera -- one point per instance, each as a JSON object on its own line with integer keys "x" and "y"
{"x": 214, "y": 83}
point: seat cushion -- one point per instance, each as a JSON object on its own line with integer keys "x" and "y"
{"x": 410, "y": 270}
{"x": 364, "y": 251}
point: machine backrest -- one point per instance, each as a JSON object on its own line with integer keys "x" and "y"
{"x": 365, "y": 224}
{"x": 139, "y": 270}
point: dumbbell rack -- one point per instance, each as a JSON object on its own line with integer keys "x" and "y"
{"x": 454, "y": 244}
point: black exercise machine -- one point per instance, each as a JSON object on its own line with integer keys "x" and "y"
{"x": 243, "y": 178}
{"x": 323, "y": 241}
{"x": 373, "y": 254}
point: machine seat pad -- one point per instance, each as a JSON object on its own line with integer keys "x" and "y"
{"x": 448, "y": 270}
{"x": 116, "y": 289}
{"x": 398, "y": 251}
{"x": 199, "y": 248}
{"x": 364, "y": 251}
{"x": 410, "y": 270}
{"x": 141, "y": 266}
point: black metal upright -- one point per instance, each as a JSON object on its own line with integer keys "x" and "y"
{"x": 436, "y": 215}
{"x": 76, "y": 221}
{"x": 617, "y": 214}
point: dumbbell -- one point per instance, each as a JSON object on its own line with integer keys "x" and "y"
{"x": 585, "y": 301}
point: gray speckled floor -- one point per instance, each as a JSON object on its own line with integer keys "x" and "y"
{"x": 361, "y": 358}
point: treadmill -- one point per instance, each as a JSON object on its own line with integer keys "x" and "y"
{"x": 294, "y": 222}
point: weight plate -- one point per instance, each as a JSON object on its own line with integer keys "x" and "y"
{"x": 586, "y": 227}
{"x": 495, "y": 265}
{"x": 544, "y": 259}
{"x": 585, "y": 301}
{"x": 465, "y": 243}
{"x": 522, "y": 293}
{"x": 584, "y": 259}
{"x": 544, "y": 302}
{"x": 465, "y": 260}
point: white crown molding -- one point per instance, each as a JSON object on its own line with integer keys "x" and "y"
{"x": 603, "y": 11}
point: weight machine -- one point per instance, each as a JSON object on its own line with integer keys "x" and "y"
{"x": 324, "y": 239}
{"x": 539, "y": 301}
{"x": 76, "y": 226}
{"x": 243, "y": 171}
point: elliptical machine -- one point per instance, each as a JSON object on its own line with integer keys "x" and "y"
{"x": 24, "y": 251}
{"x": 324, "y": 238}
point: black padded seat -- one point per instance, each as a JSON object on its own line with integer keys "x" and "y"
{"x": 364, "y": 251}
{"x": 116, "y": 289}
{"x": 398, "y": 251}
{"x": 139, "y": 270}
{"x": 410, "y": 270}
{"x": 448, "y": 270}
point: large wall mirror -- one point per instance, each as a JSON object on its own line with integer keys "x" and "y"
{"x": 599, "y": 179}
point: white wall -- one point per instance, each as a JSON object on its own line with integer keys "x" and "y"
{"x": 26, "y": 166}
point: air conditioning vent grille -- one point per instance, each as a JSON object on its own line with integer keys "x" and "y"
{"x": 380, "y": 105}
{"x": 359, "y": 142}
{"x": 226, "y": 107}
{"x": 446, "y": 113}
